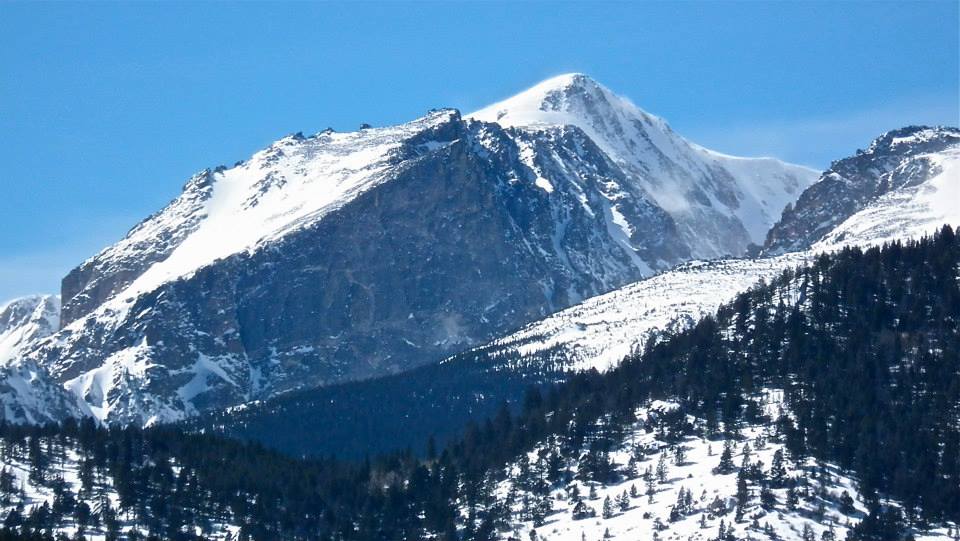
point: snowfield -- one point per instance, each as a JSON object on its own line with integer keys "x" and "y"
{"x": 599, "y": 332}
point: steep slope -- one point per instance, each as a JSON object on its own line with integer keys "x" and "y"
{"x": 925, "y": 196}
{"x": 28, "y": 394}
{"x": 338, "y": 257}
{"x": 24, "y": 321}
{"x": 720, "y": 203}
{"x": 896, "y": 160}
{"x": 455, "y": 245}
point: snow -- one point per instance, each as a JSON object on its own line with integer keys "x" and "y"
{"x": 34, "y": 494}
{"x": 697, "y": 475}
{"x": 908, "y": 212}
{"x": 25, "y": 320}
{"x": 247, "y": 206}
{"x": 602, "y": 330}
{"x": 668, "y": 167}
{"x": 920, "y": 136}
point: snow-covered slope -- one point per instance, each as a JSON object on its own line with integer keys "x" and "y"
{"x": 599, "y": 332}
{"x": 657, "y": 493}
{"x": 721, "y": 203}
{"x": 226, "y": 211}
{"x": 26, "y": 320}
{"x": 927, "y": 198}
{"x": 895, "y": 161}
{"x": 75, "y": 474}
{"x": 28, "y": 393}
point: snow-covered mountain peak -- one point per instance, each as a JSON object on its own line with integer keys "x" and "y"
{"x": 901, "y": 139}
{"x": 568, "y": 99}
{"x": 878, "y": 188}
{"x": 706, "y": 192}
{"x": 336, "y": 256}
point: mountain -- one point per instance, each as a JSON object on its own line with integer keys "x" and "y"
{"x": 594, "y": 334}
{"x": 919, "y": 195}
{"x": 343, "y": 256}
{"x": 822, "y": 404}
{"x": 720, "y": 203}
{"x": 894, "y": 163}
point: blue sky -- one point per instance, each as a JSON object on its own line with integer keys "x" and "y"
{"x": 106, "y": 108}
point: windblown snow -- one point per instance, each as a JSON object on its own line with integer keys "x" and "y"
{"x": 700, "y": 188}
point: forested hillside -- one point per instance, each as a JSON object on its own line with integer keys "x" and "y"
{"x": 861, "y": 347}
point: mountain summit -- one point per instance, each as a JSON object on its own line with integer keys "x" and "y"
{"x": 720, "y": 203}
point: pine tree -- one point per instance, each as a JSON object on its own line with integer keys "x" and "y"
{"x": 581, "y": 511}
{"x": 607, "y": 508}
{"x": 743, "y": 495}
{"x": 846, "y": 504}
{"x": 792, "y": 499}
{"x": 662, "y": 468}
{"x": 767, "y": 498}
{"x": 726, "y": 460}
{"x": 778, "y": 472}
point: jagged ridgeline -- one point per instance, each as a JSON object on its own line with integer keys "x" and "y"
{"x": 861, "y": 346}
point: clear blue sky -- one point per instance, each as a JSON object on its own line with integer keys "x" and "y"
{"x": 106, "y": 108}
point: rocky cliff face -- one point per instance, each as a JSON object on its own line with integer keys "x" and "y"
{"x": 893, "y": 160}
{"x": 24, "y": 321}
{"x": 337, "y": 257}
{"x": 28, "y": 394}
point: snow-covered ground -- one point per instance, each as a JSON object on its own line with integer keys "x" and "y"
{"x": 820, "y": 489}
{"x": 30, "y": 493}
{"x": 601, "y": 331}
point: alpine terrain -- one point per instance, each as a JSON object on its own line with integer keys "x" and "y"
{"x": 550, "y": 319}
{"x": 594, "y": 334}
{"x": 343, "y": 256}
